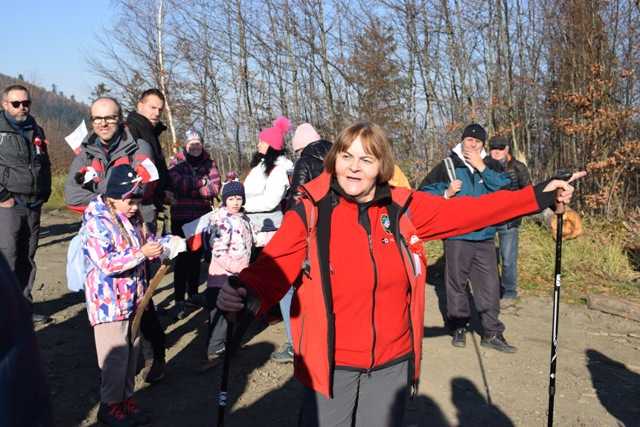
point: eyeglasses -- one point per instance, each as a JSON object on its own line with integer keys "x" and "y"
{"x": 110, "y": 120}
{"x": 26, "y": 103}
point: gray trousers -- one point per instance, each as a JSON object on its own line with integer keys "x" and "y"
{"x": 360, "y": 399}
{"x": 477, "y": 262}
{"x": 19, "y": 232}
{"x": 117, "y": 358}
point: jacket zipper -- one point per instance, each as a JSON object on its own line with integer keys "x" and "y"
{"x": 373, "y": 308}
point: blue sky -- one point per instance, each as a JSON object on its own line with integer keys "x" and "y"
{"x": 48, "y": 41}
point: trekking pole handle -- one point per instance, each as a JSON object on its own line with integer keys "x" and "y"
{"x": 563, "y": 175}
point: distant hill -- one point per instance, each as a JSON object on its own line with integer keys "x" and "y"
{"x": 58, "y": 116}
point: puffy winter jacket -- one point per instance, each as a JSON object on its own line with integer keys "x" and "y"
{"x": 25, "y": 169}
{"x": 360, "y": 302}
{"x": 474, "y": 183}
{"x": 308, "y": 166}
{"x": 123, "y": 150}
{"x": 264, "y": 193}
{"x": 231, "y": 245}
{"x": 116, "y": 276}
{"x": 195, "y": 182}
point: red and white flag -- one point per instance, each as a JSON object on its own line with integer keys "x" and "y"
{"x": 75, "y": 138}
{"x": 194, "y": 230}
{"x": 147, "y": 171}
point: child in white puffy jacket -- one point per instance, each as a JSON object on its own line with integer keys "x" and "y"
{"x": 232, "y": 238}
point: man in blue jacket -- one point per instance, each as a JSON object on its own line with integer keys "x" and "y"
{"x": 468, "y": 171}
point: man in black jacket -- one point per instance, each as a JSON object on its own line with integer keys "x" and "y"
{"x": 508, "y": 232}
{"x": 145, "y": 124}
{"x": 25, "y": 185}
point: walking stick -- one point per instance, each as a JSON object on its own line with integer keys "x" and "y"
{"x": 564, "y": 175}
{"x": 153, "y": 284}
{"x": 224, "y": 383}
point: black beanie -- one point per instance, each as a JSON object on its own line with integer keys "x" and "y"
{"x": 498, "y": 142}
{"x": 476, "y": 131}
{"x": 123, "y": 183}
{"x": 232, "y": 188}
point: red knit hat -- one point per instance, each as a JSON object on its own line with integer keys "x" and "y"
{"x": 274, "y": 136}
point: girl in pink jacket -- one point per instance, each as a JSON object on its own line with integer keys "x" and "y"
{"x": 232, "y": 237}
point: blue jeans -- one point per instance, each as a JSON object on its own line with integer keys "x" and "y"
{"x": 285, "y": 309}
{"x": 508, "y": 239}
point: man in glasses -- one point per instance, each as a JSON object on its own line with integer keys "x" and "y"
{"x": 109, "y": 145}
{"x": 25, "y": 185}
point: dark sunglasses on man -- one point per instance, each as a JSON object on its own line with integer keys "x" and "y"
{"x": 26, "y": 103}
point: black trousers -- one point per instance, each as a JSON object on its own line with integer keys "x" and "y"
{"x": 474, "y": 261}
{"x": 217, "y": 331}
{"x": 19, "y": 232}
{"x": 186, "y": 270}
{"x": 152, "y": 331}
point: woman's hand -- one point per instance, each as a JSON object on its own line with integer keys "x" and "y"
{"x": 564, "y": 190}
{"x": 231, "y": 299}
{"x": 152, "y": 250}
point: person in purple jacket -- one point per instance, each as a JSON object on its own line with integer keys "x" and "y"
{"x": 196, "y": 182}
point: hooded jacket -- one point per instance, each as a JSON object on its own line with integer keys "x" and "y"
{"x": 25, "y": 169}
{"x": 123, "y": 150}
{"x": 116, "y": 275}
{"x": 308, "y": 166}
{"x": 141, "y": 128}
{"x": 474, "y": 183}
{"x": 360, "y": 301}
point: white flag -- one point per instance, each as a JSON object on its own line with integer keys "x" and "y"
{"x": 75, "y": 138}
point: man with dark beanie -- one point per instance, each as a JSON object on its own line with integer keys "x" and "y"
{"x": 25, "y": 171}
{"x": 468, "y": 171}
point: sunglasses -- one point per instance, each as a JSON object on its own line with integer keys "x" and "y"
{"x": 26, "y": 103}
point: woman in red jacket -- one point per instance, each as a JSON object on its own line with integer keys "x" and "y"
{"x": 357, "y": 316}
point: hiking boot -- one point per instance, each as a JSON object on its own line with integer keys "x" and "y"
{"x": 114, "y": 415}
{"x": 140, "y": 417}
{"x": 506, "y": 303}
{"x": 212, "y": 360}
{"x": 156, "y": 372}
{"x": 180, "y": 310}
{"x": 497, "y": 342}
{"x": 40, "y": 318}
{"x": 284, "y": 356}
{"x": 459, "y": 338}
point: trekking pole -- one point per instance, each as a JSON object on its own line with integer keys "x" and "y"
{"x": 556, "y": 304}
{"x": 224, "y": 383}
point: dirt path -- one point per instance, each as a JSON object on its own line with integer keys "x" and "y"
{"x": 598, "y": 369}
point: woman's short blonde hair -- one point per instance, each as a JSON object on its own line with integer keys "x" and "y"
{"x": 374, "y": 141}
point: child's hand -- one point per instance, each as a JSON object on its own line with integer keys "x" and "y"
{"x": 152, "y": 250}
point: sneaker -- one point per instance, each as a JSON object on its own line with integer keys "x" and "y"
{"x": 195, "y": 301}
{"x": 40, "y": 318}
{"x": 459, "y": 338}
{"x": 156, "y": 371}
{"x": 114, "y": 415}
{"x": 497, "y": 342}
{"x": 180, "y": 310}
{"x": 284, "y": 356}
{"x": 140, "y": 417}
